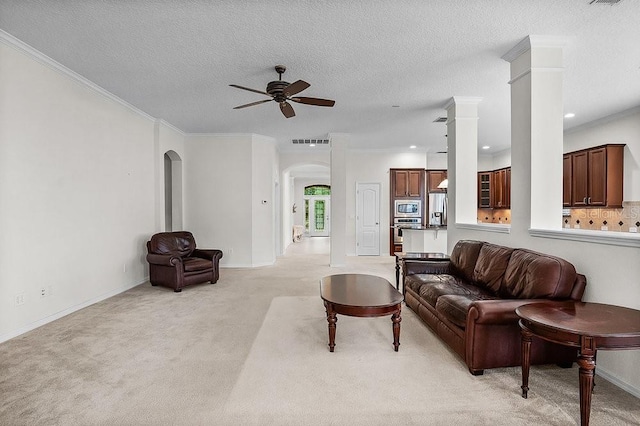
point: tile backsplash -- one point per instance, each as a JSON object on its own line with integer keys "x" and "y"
{"x": 626, "y": 219}
{"x": 494, "y": 216}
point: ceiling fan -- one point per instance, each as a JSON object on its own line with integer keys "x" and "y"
{"x": 282, "y": 91}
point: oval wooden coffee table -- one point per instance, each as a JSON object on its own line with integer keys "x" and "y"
{"x": 586, "y": 326}
{"x": 360, "y": 295}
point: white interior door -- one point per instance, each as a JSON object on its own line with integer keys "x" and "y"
{"x": 318, "y": 216}
{"x": 368, "y": 219}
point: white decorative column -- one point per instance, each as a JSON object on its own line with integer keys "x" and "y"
{"x": 536, "y": 133}
{"x": 462, "y": 159}
{"x": 338, "y": 218}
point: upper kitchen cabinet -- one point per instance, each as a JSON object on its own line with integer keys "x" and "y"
{"x": 407, "y": 183}
{"x": 494, "y": 189}
{"x": 566, "y": 180}
{"x": 484, "y": 190}
{"x": 595, "y": 176}
{"x": 435, "y": 178}
{"x": 501, "y": 189}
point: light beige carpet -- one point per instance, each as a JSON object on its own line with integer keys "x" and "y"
{"x": 252, "y": 349}
{"x": 291, "y": 374}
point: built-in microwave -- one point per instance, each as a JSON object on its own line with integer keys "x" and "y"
{"x": 408, "y": 208}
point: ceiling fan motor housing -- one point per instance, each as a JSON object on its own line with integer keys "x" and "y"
{"x": 276, "y": 89}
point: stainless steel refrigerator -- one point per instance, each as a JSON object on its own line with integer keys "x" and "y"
{"x": 437, "y": 215}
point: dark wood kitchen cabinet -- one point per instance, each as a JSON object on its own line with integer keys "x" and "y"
{"x": 595, "y": 176}
{"x": 566, "y": 180}
{"x": 501, "y": 189}
{"x": 407, "y": 183}
{"x": 494, "y": 189}
{"x": 434, "y": 178}
{"x": 484, "y": 190}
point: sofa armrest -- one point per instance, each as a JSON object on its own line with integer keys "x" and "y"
{"x": 500, "y": 311}
{"x": 411, "y": 267}
{"x": 163, "y": 259}
{"x": 207, "y": 253}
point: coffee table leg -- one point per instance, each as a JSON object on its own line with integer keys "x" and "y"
{"x": 332, "y": 319}
{"x": 587, "y": 364}
{"x": 526, "y": 360}
{"x": 395, "y": 319}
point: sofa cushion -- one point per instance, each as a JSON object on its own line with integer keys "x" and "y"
{"x": 463, "y": 258}
{"x": 491, "y": 265}
{"x": 454, "y": 307}
{"x": 431, "y": 287}
{"x": 532, "y": 275}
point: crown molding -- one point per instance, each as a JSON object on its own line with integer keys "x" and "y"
{"x": 43, "y": 59}
{"x": 171, "y": 126}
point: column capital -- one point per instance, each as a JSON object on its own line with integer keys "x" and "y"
{"x": 534, "y": 41}
{"x": 462, "y": 100}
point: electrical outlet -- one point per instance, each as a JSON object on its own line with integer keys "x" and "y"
{"x": 231, "y": 251}
{"x": 633, "y": 229}
{"x": 124, "y": 267}
{"x": 43, "y": 292}
{"x": 19, "y": 299}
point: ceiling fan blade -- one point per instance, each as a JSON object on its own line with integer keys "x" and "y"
{"x": 314, "y": 101}
{"x": 252, "y": 104}
{"x": 251, "y": 90}
{"x": 295, "y": 87}
{"x": 287, "y": 109}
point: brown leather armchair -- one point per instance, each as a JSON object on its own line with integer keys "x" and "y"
{"x": 175, "y": 262}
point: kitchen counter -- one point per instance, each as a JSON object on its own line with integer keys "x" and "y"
{"x": 425, "y": 239}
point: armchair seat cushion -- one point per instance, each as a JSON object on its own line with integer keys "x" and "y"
{"x": 193, "y": 264}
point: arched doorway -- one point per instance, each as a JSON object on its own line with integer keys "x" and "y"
{"x": 172, "y": 191}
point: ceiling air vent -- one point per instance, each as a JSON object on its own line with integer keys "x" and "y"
{"x": 440, "y": 120}
{"x": 609, "y": 2}
{"x": 310, "y": 141}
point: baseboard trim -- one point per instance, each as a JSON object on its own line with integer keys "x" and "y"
{"x": 39, "y": 323}
{"x": 616, "y": 381}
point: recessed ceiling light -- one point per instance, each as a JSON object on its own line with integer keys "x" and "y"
{"x": 413, "y": 147}
{"x": 486, "y": 147}
{"x": 569, "y": 115}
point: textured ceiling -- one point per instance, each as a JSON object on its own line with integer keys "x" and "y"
{"x": 175, "y": 59}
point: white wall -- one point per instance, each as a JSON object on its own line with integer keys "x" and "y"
{"x": 218, "y": 187}
{"x": 264, "y": 175}
{"x": 77, "y": 191}
{"x": 226, "y": 179}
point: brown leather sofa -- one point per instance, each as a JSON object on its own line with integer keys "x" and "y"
{"x": 470, "y": 301}
{"x": 175, "y": 262}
